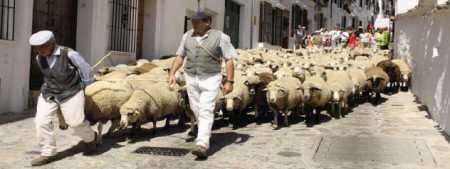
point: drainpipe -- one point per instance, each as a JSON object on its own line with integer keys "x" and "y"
{"x": 251, "y": 25}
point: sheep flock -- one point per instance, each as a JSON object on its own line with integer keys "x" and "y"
{"x": 300, "y": 83}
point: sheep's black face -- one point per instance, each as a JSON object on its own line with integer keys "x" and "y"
{"x": 390, "y": 71}
{"x": 376, "y": 82}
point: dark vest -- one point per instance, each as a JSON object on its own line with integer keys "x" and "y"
{"x": 198, "y": 61}
{"x": 62, "y": 81}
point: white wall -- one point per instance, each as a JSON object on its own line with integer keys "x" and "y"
{"x": 15, "y": 62}
{"x": 425, "y": 46}
{"x": 403, "y": 6}
{"x": 149, "y": 34}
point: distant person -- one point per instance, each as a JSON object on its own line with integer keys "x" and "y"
{"x": 66, "y": 74}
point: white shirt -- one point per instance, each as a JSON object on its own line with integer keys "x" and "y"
{"x": 225, "y": 45}
{"x": 85, "y": 70}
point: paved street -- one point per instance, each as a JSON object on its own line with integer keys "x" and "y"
{"x": 398, "y": 133}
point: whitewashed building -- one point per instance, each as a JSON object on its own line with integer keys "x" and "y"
{"x": 149, "y": 29}
{"x": 422, "y": 29}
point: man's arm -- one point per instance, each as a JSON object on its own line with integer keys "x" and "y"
{"x": 85, "y": 70}
{"x": 175, "y": 66}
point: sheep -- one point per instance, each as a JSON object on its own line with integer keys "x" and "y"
{"x": 238, "y": 100}
{"x": 341, "y": 86}
{"x": 316, "y": 94}
{"x": 377, "y": 80}
{"x": 393, "y": 71}
{"x": 256, "y": 84}
{"x": 283, "y": 72}
{"x": 113, "y": 75}
{"x": 358, "y": 78}
{"x": 300, "y": 73}
{"x": 405, "y": 73}
{"x": 282, "y": 96}
{"x": 149, "y": 104}
{"x": 185, "y": 110}
{"x": 103, "y": 100}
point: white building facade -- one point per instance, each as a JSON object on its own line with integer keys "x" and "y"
{"x": 423, "y": 42}
{"x": 150, "y": 29}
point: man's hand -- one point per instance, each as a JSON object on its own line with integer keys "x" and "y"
{"x": 227, "y": 88}
{"x": 171, "y": 80}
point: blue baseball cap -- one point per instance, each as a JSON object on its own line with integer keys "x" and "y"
{"x": 200, "y": 16}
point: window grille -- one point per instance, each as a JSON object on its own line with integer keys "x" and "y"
{"x": 122, "y": 29}
{"x": 265, "y": 27}
{"x": 7, "y": 15}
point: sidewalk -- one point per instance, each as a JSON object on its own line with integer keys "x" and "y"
{"x": 398, "y": 133}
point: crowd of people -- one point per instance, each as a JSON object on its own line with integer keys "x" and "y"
{"x": 340, "y": 37}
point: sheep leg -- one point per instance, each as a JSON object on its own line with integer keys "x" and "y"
{"x": 275, "y": 119}
{"x": 133, "y": 130}
{"x": 192, "y": 132}
{"x": 154, "y": 127}
{"x": 114, "y": 125}
{"x": 286, "y": 123}
{"x": 62, "y": 123}
{"x": 256, "y": 113}
{"x": 235, "y": 119}
{"x": 167, "y": 125}
{"x": 181, "y": 118}
{"x": 317, "y": 116}
{"x": 99, "y": 134}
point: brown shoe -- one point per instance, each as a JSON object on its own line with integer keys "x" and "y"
{"x": 90, "y": 147}
{"x": 41, "y": 160}
{"x": 199, "y": 151}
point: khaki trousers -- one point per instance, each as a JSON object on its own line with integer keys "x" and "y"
{"x": 73, "y": 112}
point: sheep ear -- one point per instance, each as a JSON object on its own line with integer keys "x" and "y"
{"x": 370, "y": 79}
{"x": 283, "y": 89}
{"x": 265, "y": 89}
{"x": 240, "y": 98}
{"x": 382, "y": 79}
{"x": 246, "y": 83}
{"x": 343, "y": 90}
{"x": 300, "y": 88}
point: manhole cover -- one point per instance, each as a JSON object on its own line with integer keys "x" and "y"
{"x": 384, "y": 150}
{"x": 164, "y": 151}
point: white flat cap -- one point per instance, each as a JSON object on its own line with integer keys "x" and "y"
{"x": 41, "y": 37}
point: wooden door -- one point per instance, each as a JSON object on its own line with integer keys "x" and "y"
{"x": 59, "y": 16}
{"x": 231, "y": 23}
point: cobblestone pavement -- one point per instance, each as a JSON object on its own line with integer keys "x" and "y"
{"x": 400, "y": 117}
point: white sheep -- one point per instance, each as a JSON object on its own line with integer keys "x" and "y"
{"x": 341, "y": 86}
{"x": 316, "y": 95}
{"x": 238, "y": 100}
{"x": 149, "y": 104}
{"x": 359, "y": 78}
{"x": 405, "y": 72}
{"x": 282, "y": 97}
{"x": 103, "y": 100}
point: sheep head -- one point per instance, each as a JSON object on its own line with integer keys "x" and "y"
{"x": 375, "y": 82}
{"x": 232, "y": 101}
{"x": 275, "y": 93}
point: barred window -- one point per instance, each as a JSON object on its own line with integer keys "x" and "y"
{"x": 122, "y": 29}
{"x": 7, "y": 15}
{"x": 265, "y": 24}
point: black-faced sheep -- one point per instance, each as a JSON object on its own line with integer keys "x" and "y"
{"x": 393, "y": 72}
{"x": 256, "y": 85}
{"x": 282, "y": 97}
{"x": 316, "y": 95}
{"x": 377, "y": 80}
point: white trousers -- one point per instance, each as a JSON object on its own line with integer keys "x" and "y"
{"x": 202, "y": 92}
{"x": 73, "y": 112}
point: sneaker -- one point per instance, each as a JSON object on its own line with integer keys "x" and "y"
{"x": 90, "y": 147}
{"x": 199, "y": 151}
{"x": 41, "y": 160}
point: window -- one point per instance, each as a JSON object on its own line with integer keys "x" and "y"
{"x": 122, "y": 29}
{"x": 265, "y": 25}
{"x": 7, "y": 15}
{"x": 277, "y": 26}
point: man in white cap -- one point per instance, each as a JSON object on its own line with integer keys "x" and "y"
{"x": 204, "y": 48}
{"x": 66, "y": 74}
